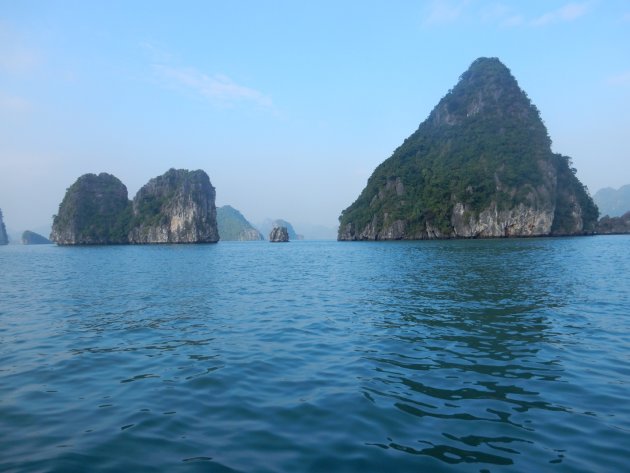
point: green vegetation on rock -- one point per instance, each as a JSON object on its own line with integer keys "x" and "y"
{"x": 94, "y": 211}
{"x": 480, "y": 165}
{"x": 177, "y": 207}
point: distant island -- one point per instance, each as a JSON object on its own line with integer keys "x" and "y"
{"x": 233, "y": 226}
{"x": 32, "y": 238}
{"x": 479, "y": 166}
{"x": 614, "y": 225}
{"x": 4, "y": 238}
{"x": 176, "y": 207}
{"x": 268, "y": 225}
{"x": 613, "y": 202}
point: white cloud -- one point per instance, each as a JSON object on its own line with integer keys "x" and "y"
{"x": 569, "y": 12}
{"x": 444, "y": 11}
{"x": 622, "y": 79}
{"x": 13, "y": 103}
{"x": 502, "y": 15}
{"x": 156, "y": 52}
{"x": 15, "y": 57}
{"x": 218, "y": 88}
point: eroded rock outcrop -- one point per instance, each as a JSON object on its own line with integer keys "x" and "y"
{"x": 480, "y": 166}
{"x": 177, "y": 207}
{"x": 279, "y": 235}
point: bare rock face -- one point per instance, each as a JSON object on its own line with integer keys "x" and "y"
{"x": 177, "y": 207}
{"x": 94, "y": 211}
{"x": 4, "y": 239}
{"x": 517, "y": 221}
{"x": 279, "y": 235}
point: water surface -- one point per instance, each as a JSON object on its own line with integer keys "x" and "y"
{"x": 496, "y": 355}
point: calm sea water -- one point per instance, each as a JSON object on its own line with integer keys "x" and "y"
{"x": 501, "y": 355}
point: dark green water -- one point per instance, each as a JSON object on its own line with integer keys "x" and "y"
{"x": 502, "y": 355}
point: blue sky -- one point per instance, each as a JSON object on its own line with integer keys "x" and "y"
{"x": 287, "y": 105}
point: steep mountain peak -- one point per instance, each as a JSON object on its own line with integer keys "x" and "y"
{"x": 480, "y": 165}
{"x": 487, "y": 86}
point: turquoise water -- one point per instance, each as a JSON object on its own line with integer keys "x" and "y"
{"x": 501, "y": 355}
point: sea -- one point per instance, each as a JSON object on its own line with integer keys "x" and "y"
{"x": 506, "y": 355}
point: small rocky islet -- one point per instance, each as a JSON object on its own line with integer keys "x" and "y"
{"x": 279, "y": 235}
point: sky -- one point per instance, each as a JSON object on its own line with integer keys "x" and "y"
{"x": 287, "y": 105}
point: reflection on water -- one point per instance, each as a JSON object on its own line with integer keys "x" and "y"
{"x": 482, "y": 355}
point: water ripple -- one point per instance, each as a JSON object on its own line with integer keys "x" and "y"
{"x": 474, "y": 355}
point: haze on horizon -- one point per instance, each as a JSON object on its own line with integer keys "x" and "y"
{"x": 288, "y": 106}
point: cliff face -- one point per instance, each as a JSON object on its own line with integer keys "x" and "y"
{"x": 94, "y": 211}
{"x": 279, "y": 235}
{"x": 4, "y": 239}
{"x": 480, "y": 166}
{"x": 177, "y": 207}
{"x": 233, "y": 226}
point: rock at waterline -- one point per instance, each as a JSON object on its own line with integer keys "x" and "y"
{"x": 279, "y": 235}
{"x": 4, "y": 239}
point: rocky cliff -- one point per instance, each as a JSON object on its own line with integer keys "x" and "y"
{"x": 177, "y": 207}
{"x": 479, "y": 166}
{"x": 279, "y": 235}
{"x": 233, "y": 226}
{"x": 4, "y": 239}
{"x": 94, "y": 211}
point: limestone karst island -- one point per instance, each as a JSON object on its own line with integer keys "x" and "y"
{"x": 479, "y": 166}
{"x": 176, "y": 207}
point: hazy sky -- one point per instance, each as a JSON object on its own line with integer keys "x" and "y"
{"x": 287, "y": 105}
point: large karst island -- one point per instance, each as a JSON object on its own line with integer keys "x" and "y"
{"x": 480, "y": 166}
{"x": 176, "y": 207}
